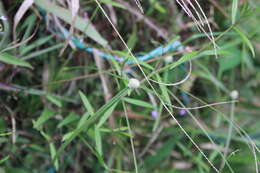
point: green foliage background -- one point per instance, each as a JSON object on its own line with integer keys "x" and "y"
{"x": 56, "y": 117}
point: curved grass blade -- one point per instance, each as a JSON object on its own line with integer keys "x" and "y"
{"x": 246, "y": 40}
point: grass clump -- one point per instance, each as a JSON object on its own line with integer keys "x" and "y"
{"x": 129, "y": 86}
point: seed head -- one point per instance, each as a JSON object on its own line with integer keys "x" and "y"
{"x": 3, "y": 18}
{"x": 234, "y": 94}
{"x": 168, "y": 59}
{"x": 133, "y": 83}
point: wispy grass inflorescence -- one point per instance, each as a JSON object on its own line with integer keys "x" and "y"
{"x": 199, "y": 18}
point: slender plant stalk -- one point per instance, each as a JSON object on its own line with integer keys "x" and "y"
{"x": 131, "y": 137}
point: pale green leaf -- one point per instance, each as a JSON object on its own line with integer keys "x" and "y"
{"x": 98, "y": 141}
{"x": 86, "y": 102}
{"x": 67, "y": 135}
{"x": 46, "y": 114}
{"x": 246, "y": 40}
{"x": 113, "y": 3}
{"x": 52, "y": 149}
{"x": 65, "y": 15}
{"x": 106, "y": 115}
{"x": 234, "y": 11}
{"x": 70, "y": 118}
{"x": 4, "y": 159}
{"x": 138, "y": 103}
{"x": 54, "y": 100}
{"x": 9, "y": 59}
{"x": 83, "y": 119}
{"x": 184, "y": 58}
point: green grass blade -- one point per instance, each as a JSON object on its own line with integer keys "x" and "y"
{"x": 35, "y": 44}
{"x": 53, "y": 150}
{"x": 234, "y": 11}
{"x": 246, "y": 40}
{"x": 138, "y": 103}
{"x": 70, "y": 118}
{"x": 56, "y": 101}
{"x": 106, "y": 115}
{"x": 98, "y": 141}
{"x": 92, "y": 120}
{"x": 42, "y": 51}
{"x": 9, "y": 59}
{"x": 184, "y": 58}
{"x": 4, "y": 159}
{"x": 86, "y": 102}
{"x": 113, "y": 3}
{"x": 66, "y": 15}
{"x": 46, "y": 114}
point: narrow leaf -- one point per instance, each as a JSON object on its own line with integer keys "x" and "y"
{"x": 21, "y": 11}
{"x": 35, "y": 44}
{"x": 70, "y": 118}
{"x": 83, "y": 120}
{"x": 87, "y": 104}
{"x": 98, "y": 141}
{"x": 46, "y": 114}
{"x": 67, "y": 135}
{"x": 184, "y": 58}
{"x": 9, "y": 59}
{"x": 54, "y": 100}
{"x": 138, "y": 103}
{"x": 4, "y": 159}
{"x": 234, "y": 11}
{"x": 80, "y": 23}
{"x": 106, "y": 115}
{"x": 92, "y": 120}
{"x": 52, "y": 149}
{"x": 113, "y": 3}
{"x": 246, "y": 40}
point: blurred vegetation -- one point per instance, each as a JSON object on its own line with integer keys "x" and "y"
{"x": 67, "y": 110}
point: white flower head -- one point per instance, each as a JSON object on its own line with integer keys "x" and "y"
{"x": 133, "y": 83}
{"x": 3, "y": 18}
{"x": 168, "y": 59}
{"x": 234, "y": 94}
